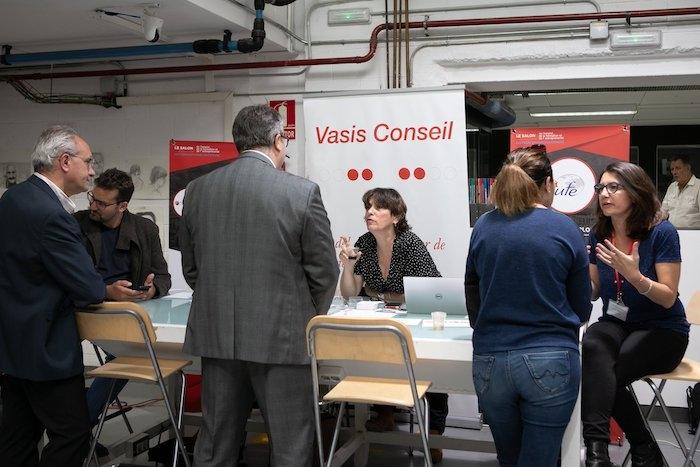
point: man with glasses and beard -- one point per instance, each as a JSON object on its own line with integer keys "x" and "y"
{"x": 126, "y": 251}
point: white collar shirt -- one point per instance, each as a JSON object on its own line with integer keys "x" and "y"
{"x": 683, "y": 206}
{"x": 264, "y": 155}
{"x": 66, "y": 202}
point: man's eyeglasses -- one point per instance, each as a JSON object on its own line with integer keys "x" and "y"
{"x": 285, "y": 139}
{"x": 100, "y": 204}
{"x": 612, "y": 187}
{"x": 89, "y": 161}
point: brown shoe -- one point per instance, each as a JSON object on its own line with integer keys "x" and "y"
{"x": 435, "y": 453}
{"x": 384, "y": 420}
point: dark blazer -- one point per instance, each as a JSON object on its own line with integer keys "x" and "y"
{"x": 44, "y": 273}
{"x": 258, "y": 251}
{"x": 138, "y": 235}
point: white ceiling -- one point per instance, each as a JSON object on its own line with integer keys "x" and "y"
{"x": 672, "y": 107}
{"x": 49, "y": 25}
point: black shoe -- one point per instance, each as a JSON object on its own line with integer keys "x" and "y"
{"x": 647, "y": 455}
{"x": 597, "y": 453}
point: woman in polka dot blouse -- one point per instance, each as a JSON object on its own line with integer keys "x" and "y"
{"x": 377, "y": 263}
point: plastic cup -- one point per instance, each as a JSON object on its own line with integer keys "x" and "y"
{"x": 438, "y": 320}
{"x": 353, "y": 301}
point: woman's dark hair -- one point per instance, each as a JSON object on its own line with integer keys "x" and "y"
{"x": 643, "y": 197}
{"x": 518, "y": 183}
{"x": 388, "y": 198}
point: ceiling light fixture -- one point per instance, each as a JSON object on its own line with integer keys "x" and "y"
{"x": 635, "y": 39}
{"x": 583, "y": 113}
{"x": 348, "y": 16}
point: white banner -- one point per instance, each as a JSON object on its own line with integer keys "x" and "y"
{"x": 411, "y": 140}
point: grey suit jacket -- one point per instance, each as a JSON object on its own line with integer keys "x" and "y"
{"x": 258, "y": 252}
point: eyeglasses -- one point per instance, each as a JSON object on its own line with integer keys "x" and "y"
{"x": 285, "y": 139}
{"x": 100, "y": 204}
{"x": 89, "y": 161}
{"x": 612, "y": 187}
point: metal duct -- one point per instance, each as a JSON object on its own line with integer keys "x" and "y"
{"x": 487, "y": 113}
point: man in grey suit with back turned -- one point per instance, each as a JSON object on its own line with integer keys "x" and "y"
{"x": 258, "y": 252}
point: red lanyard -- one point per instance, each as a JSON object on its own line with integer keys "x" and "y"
{"x": 618, "y": 278}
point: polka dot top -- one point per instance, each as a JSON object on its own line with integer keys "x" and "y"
{"x": 409, "y": 258}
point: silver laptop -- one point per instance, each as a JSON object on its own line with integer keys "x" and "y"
{"x": 428, "y": 294}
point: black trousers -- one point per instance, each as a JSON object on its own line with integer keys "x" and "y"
{"x": 614, "y": 356}
{"x": 437, "y": 402}
{"x": 57, "y": 406}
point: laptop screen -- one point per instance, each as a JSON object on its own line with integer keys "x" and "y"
{"x": 428, "y": 294}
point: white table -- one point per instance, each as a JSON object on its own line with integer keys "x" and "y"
{"x": 443, "y": 357}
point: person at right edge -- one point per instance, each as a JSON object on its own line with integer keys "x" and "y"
{"x": 635, "y": 268}
{"x": 528, "y": 291}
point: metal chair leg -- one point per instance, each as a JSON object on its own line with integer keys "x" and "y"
{"x": 179, "y": 418}
{"x": 119, "y": 403}
{"x": 178, "y": 435}
{"x": 93, "y": 442}
{"x": 691, "y": 452}
{"x": 422, "y": 423}
{"x": 646, "y": 415}
{"x": 124, "y": 417}
{"x": 669, "y": 419}
{"x": 336, "y": 432}
{"x": 410, "y": 429}
{"x": 317, "y": 411}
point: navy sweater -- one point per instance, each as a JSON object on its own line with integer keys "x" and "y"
{"x": 531, "y": 273}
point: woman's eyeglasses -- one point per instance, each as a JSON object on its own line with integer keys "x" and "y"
{"x": 612, "y": 187}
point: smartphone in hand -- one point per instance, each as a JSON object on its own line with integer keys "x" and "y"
{"x": 140, "y": 288}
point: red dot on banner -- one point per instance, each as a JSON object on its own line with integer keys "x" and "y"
{"x": 352, "y": 174}
{"x": 404, "y": 173}
{"x": 419, "y": 173}
{"x": 367, "y": 174}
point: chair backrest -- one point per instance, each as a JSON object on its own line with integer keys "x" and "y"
{"x": 692, "y": 310}
{"x": 362, "y": 339}
{"x": 115, "y": 321}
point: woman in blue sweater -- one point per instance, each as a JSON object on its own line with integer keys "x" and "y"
{"x": 635, "y": 269}
{"x": 527, "y": 287}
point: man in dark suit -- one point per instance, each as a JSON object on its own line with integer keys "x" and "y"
{"x": 126, "y": 251}
{"x": 45, "y": 273}
{"x": 257, "y": 249}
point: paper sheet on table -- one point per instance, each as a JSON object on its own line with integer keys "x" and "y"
{"x": 180, "y": 295}
{"x": 449, "y": 323}
{"x": 410, "y": 321}
{"x": 367, "y": 313}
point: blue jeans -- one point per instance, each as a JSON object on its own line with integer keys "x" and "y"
{"x": 527, "y": 397}
{"x": 98, "y": 394}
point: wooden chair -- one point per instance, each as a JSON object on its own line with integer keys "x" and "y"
{"x": 129, "y": 323}
{"x": 688, "y": 370}
{"x": 368, "y": 340}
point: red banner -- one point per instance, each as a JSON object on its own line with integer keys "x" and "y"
{"x": 190, "y": 160}
{"x": 611, "y": 141}
{"x": 579, "y": 155}
{"x": 189, "y": 154}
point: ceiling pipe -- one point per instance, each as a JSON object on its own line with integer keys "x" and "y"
{"x": 372, "y": 44}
